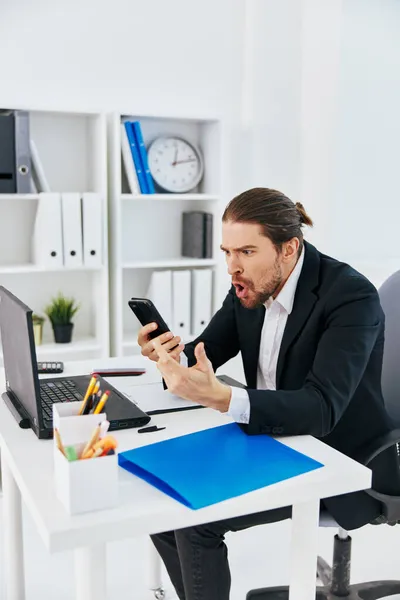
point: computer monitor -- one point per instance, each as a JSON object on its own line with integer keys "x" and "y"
{"x": 19, "y": 355}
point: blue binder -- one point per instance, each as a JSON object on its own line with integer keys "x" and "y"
{"x": 136, "y": 157}
{"x": 143, "y": 156}
{"x": 203, "y": 468}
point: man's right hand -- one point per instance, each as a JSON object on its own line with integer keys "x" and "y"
{"x": 171, "y": 344}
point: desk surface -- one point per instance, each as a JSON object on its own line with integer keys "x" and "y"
{"x": 143, "y": 509}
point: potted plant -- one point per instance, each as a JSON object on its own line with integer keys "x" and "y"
{"x": 60, "y": 312}
{"x": 37, "y": 321}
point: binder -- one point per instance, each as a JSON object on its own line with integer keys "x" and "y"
{"x": 201, "y": 299}
{"x": 181, "y": 293}
{"x": 8, "y": 181}
{"x": 136, "y": 157}
{"x": 193, "y": 234}
{"x": 160, "y": 293}
{"x": 38, "y": 174}
{"x": 72, "y": 229}
{"x": 22, "y": 152}
{"x": 203, "y": 468}
{"x": 197, "y": 234}
{"x": 129, "y": 165}
{"x": 15, "y": 158}
{"x": 143, "y": 156}
{"x": 208, "y": 235}
{"x": 47, "y": 241}
{"x": 92, "y": 229}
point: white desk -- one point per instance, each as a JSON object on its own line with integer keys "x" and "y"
{"x": 27, "y": 471}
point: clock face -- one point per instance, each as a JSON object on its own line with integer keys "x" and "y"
{"x": 175, "y": 165}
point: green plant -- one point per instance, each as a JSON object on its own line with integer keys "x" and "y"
{"x": 61, "y": 310}
{"x": 37, "y": 319}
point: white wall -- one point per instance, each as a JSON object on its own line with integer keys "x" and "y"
{"x": 365, "y": 215}
{"x": 180, "y": 56}
{"x": 326, "y": 121}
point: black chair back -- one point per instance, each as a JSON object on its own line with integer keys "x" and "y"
{"x": 389, "y": 294}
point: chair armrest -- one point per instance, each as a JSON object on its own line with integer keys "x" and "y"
{"x": 377, "y": 446}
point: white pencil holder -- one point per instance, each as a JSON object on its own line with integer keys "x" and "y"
{"x": 87, "y": 484}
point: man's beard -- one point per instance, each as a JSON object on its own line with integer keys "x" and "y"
{"x": 267, "y": 291}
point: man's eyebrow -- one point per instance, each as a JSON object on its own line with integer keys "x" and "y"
{"x": 247, "y": 247}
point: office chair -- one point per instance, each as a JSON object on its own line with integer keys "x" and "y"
{"x": 336, "y": 579}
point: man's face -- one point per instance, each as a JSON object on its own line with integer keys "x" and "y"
{"x": 256, "y": 267}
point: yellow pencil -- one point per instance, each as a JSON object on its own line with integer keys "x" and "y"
{"x": 102, "y": 402}
{"x": 58, "y": 441}
{"x": 89, "y": 391}
{"x": 92, "y": 441}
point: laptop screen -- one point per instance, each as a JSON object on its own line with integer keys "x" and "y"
{"x": 19, "y": 352}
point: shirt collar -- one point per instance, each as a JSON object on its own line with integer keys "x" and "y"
{"x": 286, "y": 296}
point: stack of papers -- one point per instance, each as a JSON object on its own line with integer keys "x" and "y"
{"x": 151, "y": 398}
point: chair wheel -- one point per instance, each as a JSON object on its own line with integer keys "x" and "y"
{"x": 159, "y": 594}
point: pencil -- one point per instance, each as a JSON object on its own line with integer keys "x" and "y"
{"x": 89, "y": 391}
{"x": 102, "y": 402}
{"x": 92, "y": 441}
{"x": 59, "y": 442}
{"x": 96, "y": 400}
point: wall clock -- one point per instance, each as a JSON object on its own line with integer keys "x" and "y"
{"x": 175, "y": 164}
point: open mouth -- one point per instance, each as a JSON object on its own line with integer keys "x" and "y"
{"x": 241, "y": 290}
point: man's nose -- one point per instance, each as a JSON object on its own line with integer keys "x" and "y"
{"x": 234, "y": 266}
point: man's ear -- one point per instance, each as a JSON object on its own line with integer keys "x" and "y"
{"x": 290, "y": 249}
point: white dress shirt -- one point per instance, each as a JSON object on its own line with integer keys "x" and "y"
{"x": 276, "y": 314}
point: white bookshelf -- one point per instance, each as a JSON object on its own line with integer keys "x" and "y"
{"x": 145, "y": 230}
{"x": 171, "y": 263}
{"x": 170, "y": 197}
{"x": 73, "y": 150}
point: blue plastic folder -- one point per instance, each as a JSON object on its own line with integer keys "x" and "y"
{"x": 209, "y": 466}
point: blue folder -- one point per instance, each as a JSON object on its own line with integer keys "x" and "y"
{"x": 143, "y": 156}
{"x": 203, "y": 468}
{"x": 141, "y": 175}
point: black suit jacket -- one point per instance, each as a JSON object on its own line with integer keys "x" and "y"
{"x": 328, "y": 374}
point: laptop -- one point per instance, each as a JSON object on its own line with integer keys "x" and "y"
{"x": 29, "y": 399}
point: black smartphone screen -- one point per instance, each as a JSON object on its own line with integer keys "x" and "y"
{"x": 146, "y": 312}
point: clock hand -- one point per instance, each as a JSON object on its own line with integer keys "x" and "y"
{"x": 179, "y": 162}
{"x": 176, "y": 155}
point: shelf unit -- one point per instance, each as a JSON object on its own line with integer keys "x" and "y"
{"x": 169, "y": 197}
{"x": 73, "y": 150}
{"x": 171, "y": 263}
{"x": 145, "y": 230}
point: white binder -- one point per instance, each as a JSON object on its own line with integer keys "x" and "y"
{"x": 92, "y": 219}
{"x": 160, "y": 293}
{"x": 127, "y": 160}
{"x": 72, "y": 229}
{"x": 38, "y": 174}
{"x": 47, "y": 241}
{"x": 181, "y": 304}
{"x": 201, "y": 299}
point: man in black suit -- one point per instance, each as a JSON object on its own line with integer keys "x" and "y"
{"x": 311, "y": 331}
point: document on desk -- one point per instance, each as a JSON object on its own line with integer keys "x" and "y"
{"x": 210, "y": 466}
{"x": 151, "y": 398}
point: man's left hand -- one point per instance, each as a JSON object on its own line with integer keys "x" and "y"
{"x": 197, "y": 383}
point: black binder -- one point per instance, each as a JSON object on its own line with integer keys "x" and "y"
{"x": 8, "y": 180}
{"x": 197, "y": 234}
{"x": 15, "y": 161}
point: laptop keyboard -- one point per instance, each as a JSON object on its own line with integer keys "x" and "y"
{"x": 54, "y": 391}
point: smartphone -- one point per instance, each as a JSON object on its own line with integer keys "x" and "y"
{"x": 119, "y": 372}
{"x": 146, "y": 312}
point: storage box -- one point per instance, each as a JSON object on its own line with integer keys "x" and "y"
{"x": 82, "y": 485}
